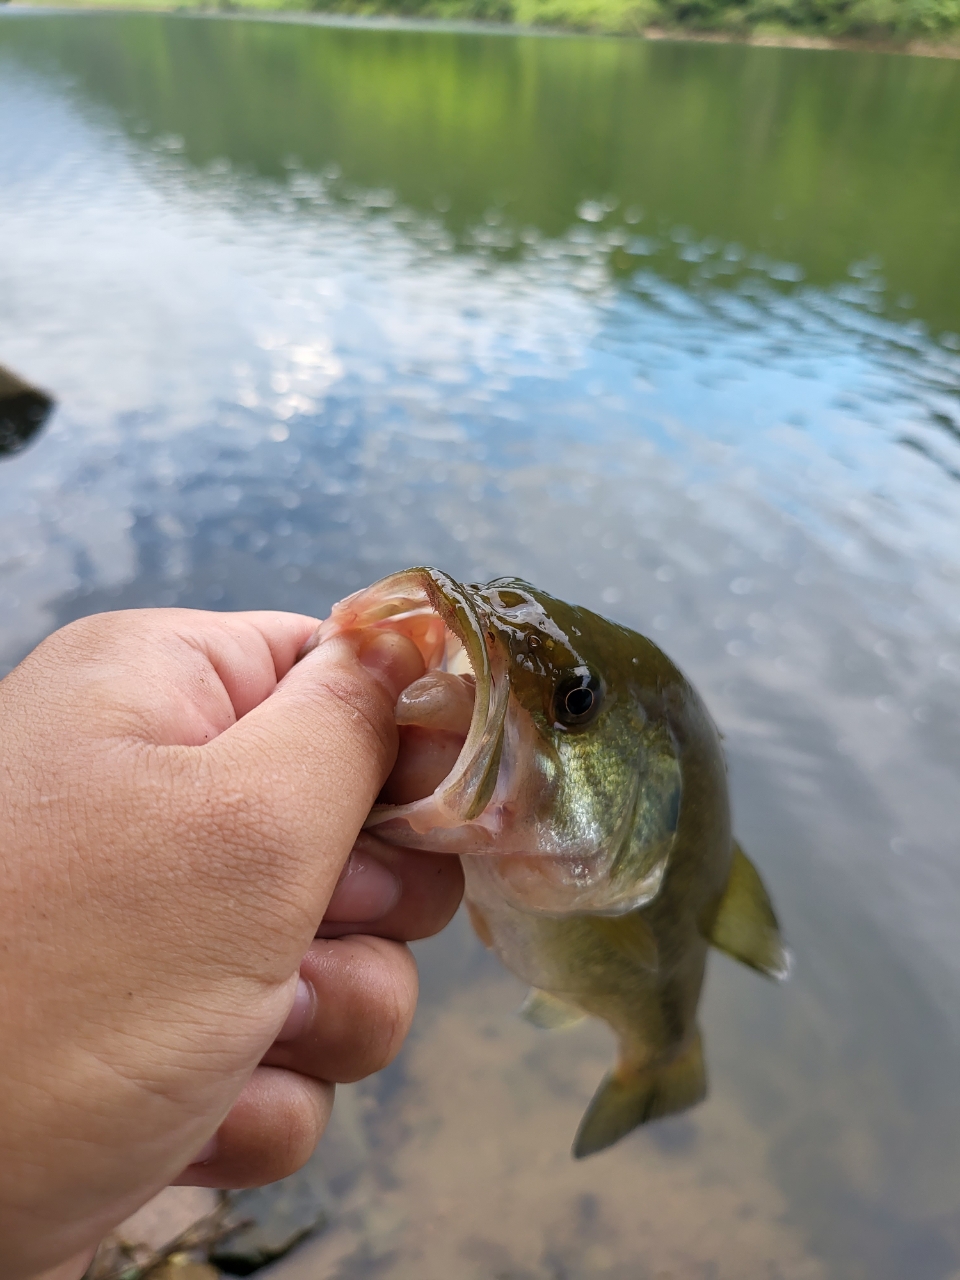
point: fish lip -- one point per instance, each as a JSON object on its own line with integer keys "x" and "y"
{"x": 467, "y": 789}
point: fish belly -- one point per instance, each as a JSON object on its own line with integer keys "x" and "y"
{"x": 576, "y": 958}
{"x": 595, "y": 965}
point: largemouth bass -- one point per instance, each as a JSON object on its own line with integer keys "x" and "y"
{"x": 580, "y": 778}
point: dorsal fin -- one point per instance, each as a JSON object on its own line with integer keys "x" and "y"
{"x": 746, "y": 925}
{"x": 550, "y": 1012}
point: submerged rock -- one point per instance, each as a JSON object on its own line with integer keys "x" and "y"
{"x": 23, "y": 411}
{"x": 166, "y": 1239}
{"x": 272, "y": 1220}
{"x": 182, "y": 1267}
{"x": 279, "y": 1216}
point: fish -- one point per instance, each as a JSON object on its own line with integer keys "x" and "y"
{"x": 580, "y": 778}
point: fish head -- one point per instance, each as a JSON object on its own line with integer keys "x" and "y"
{"x": 565, "y": 793}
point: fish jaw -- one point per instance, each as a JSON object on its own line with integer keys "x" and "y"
{"x": 505, "y": 778}
{"x": 549, "y": 878}
{"x": 500, "y": 801}
{"x": 441, "y": 618}
{"x": 608, "y": 868}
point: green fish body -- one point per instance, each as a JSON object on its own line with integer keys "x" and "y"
{"x": 588, "y": 802}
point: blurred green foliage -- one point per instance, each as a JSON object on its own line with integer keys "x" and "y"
{"x": 891, "y": 22}
{"x": 819, "y": 159}
{"x": 870, "y": 18}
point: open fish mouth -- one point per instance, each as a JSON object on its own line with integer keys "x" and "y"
{"x": 443, "y": 620}
{"x": 568, "y": 828}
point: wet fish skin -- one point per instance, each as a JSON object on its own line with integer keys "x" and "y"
{"x": 590, "y": 792}
{"x": 640, "y": 971}
{"x": 591, "y": 809}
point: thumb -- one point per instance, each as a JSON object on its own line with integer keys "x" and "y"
{"x": 293, "y": 780}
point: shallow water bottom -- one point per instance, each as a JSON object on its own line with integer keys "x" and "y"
{"x": 472, "y": 1175}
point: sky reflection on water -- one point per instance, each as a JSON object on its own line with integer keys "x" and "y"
{"x": 276, "y": 387}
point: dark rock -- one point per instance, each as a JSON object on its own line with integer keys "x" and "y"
{"x": 23, "y": 411}
{"x": 272, "y": 1220}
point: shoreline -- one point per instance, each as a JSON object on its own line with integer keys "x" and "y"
{"x": 767, "y": 39}
{"x": 789, "y": 40}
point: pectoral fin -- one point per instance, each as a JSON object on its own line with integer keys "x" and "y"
{"x": 631, "y": 936}
{"x": 629, "y": 1098}
{"x": 549, "y": 1012}
{"x": 481, "y": 925}
{"x": 746, "y": 926}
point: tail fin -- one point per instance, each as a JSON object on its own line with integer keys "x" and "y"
{"x": 628, "y": 1098}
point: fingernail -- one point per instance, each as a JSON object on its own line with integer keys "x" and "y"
{"x": 366, "y": 891}
{"x": 392, "y": 658}
{"x": 299, "y": 1014}
{"x": 206, "y": 1152}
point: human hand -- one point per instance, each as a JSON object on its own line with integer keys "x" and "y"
{"x": 178, "y": 805}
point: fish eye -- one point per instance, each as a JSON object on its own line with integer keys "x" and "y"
{"x": 577, "y": 699}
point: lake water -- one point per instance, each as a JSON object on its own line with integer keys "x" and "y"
{"x": 671, "y": 330}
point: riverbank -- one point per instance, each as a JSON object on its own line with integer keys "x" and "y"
{"x": 786, "y": 38}
{"x": 924, "y": 28}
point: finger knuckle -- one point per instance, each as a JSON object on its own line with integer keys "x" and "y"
{"x": 356, "y": 712}
{"x": 298, "y": 1129}
{"x": 390, "y": 1019}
